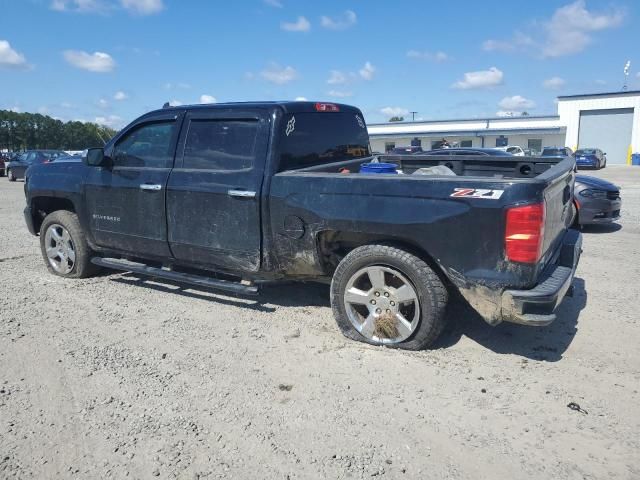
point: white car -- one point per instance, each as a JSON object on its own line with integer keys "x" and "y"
{"x": 513, "y": 150}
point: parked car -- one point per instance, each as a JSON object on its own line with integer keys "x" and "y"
{"x": 485, "y": 152}
{"x": 193, "y": 190}
{"x": 17, "y": 168}
{"x": 557, "y": 152}
{"x": 405, "y": 150}
{"x": 3, "y": 161}
{"x": 513, "y": 150}
{"x": 591, "y": 157}
{"x": 597, "y": 201}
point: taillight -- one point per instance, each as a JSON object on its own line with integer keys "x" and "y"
{"x": 524, "y": 233}
{"x": 327, "y": 107}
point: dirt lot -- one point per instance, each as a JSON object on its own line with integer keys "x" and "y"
{"x": 115, "y": 377}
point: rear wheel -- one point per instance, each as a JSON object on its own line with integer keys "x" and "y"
{"x": 11, "y": 176}
{"x": 64, "y": 247}
{"x": 384, "y": 295}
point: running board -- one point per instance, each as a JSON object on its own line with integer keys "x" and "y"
{"x": 142, "y": 269}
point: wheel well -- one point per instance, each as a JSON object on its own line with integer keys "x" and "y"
{"x": 333, "y": 246}
{"x": 43, "y": 206}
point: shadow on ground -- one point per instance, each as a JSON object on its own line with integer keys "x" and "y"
{"x": 537, "y": 343}
{"x": 603, "y": 228}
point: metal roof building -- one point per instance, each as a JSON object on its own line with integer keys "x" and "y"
{"x": 610, "y": 121}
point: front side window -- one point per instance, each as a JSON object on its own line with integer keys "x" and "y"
{"x": 221, "y": 144}
{"x": 147, "y": 145}
{"x": 310, "y": 139}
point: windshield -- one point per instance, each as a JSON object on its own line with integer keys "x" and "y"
{"x": 550, "y": 152}
{"x": 311, "y": 138}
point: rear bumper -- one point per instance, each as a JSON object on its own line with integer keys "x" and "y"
{"x": 536, "y": 306}
{"x": 28, "y": 218}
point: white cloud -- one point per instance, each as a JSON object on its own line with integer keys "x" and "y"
{"x": 139, "y": 7}
{"x": 517, "y": 103}
{"x": 480, "y": 79}
{"x": 175, "y": 103}
{"x": 273, "y": 3}
{"x": 94, "y": 62}
{"x": 517, "y": 42}
{"x": 9, "y": 58}
{"x": 143, "y": 7}
{"x": 112, "y": 121}
{"x": 339, "y": 93}
{"x": 568, "y": 31}
{"x": 204, "y": 98}
{"x": 346, "y": 20}
{"x": 301, "y": 99}
{"x": 367, "y": 71}
{"x": 336, "y": 77}
{"x": 15, "y": 109}
{"x": 394, "y": 111}
{"x": 554, "y": 83}
{"x": 279, "y": 75}
{"x": 120, "y": 95}
{"x": 300, "y": 25}
{"x": 424, "y": 55}
{"x": 102, "y": 103}
{"x": 81, "y": 6}
{"x": 180, "y": 85}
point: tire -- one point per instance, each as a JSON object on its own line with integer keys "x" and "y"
{"x": 63, "y": 229}
{"x": 10, "y": 176}
{"x": 2, "y": 173}
{"x": 425, "y": 310}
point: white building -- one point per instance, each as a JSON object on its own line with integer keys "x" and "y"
{"x": 609, "y": 121}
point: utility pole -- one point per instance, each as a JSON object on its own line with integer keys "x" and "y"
{"x": 413, "y": 116}
{"x": 626, "y": 75}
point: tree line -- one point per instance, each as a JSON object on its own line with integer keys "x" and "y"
{"x": 25, "y": 131}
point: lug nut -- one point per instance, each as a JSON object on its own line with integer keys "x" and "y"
{"x": 386, "y": 294}
{"x": 377, "y": 294}
{"x": 378, "y": 310}
{"x": 373, "y": 302}
{"x": 388, "y": 311}
{"x": 392, "y": 303}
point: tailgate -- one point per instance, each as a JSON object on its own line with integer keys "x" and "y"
{"x": 559, "y": 211}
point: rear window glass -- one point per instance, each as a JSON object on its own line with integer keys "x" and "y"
{"x": 585, "y": 151}
{"x": 553, "y": 151}
{"x": 310, "y": 139}
{"x": 220, "y": 144}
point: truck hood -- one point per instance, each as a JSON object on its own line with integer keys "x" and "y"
{"x": 593, "y": 182}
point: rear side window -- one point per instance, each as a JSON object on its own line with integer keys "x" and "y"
{"x": 311, "y": 138}
{"x": 147, "y": 145}
{"x": 221, "y": 144}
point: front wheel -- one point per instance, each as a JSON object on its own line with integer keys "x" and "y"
{"x": 11, "y": 176}
{"x": 64, "y": 247}
{"x": 383, "y": 295}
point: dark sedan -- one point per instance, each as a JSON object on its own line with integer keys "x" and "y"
{"x": 16, "y": 168}
{"x": 591, "y": 157}
{"x": 597, "y": 201}
{"x": 468, "y": 151}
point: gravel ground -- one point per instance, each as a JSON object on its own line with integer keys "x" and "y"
{"x": 116, "y": 377}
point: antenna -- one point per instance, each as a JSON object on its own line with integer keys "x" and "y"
{"x": 413, "y": 116}
{"x": 627, "y": 66}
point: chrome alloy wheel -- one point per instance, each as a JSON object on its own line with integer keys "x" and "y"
{"x": 60, "y": 249}
{"x": 379, "y": 292}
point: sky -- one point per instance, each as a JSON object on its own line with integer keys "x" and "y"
{"x": 109, "y": 61}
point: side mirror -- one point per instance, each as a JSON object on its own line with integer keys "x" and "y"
{"x": 96, "y": 158}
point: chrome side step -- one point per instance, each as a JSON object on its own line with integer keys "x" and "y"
{"x": 200, "y": 281}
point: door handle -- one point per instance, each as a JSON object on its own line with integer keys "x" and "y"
{"x": 241, "y": 193}
{"x": 150, "y": 186}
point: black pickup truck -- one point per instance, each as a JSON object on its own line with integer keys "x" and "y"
{"x": 232, "y": 195}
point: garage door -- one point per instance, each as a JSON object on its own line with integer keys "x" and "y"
{"x": 608, "y": 130}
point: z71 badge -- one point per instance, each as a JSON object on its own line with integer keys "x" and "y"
{"x": 477, "y": 193}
